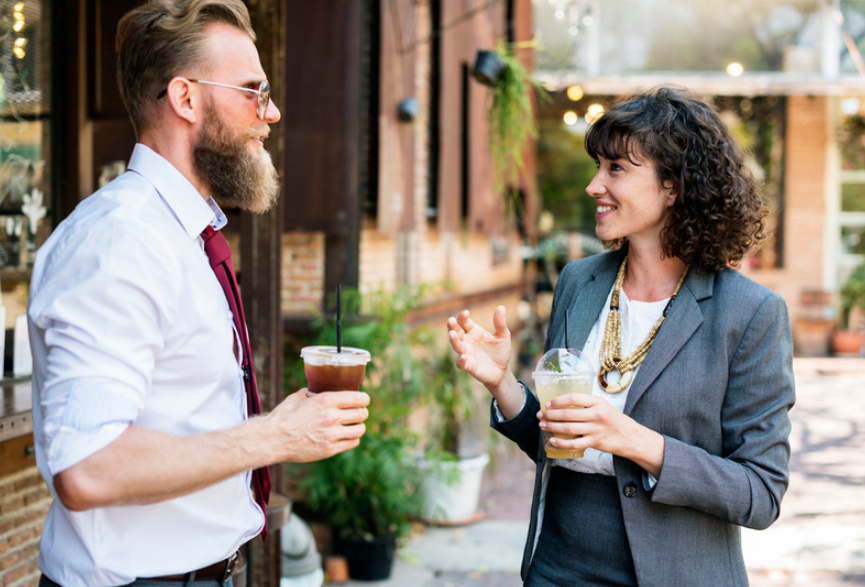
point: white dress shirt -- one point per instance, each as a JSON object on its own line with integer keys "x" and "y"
{"x": 128, "y": 325}
{"x": 637, "y": 321}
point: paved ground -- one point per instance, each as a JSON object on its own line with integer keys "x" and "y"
{"x": 820, "y": 537}
{"x": 818, "y": 541}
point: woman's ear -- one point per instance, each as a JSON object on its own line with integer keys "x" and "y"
{"x": 184, "y": 99}
{"x": 672, "y": 189}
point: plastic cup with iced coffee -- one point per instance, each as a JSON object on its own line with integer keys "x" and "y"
{"x": 328, "y": 368}
{"x": 558, "y": 373}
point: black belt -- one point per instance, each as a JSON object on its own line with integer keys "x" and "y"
{"x": 219, "y": 572}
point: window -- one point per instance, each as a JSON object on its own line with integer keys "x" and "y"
{"x": 465, "y": 160}
{"x": 25, "y": 132}
{"x": 432, "y": 211}
{"x": 851, "y": 217}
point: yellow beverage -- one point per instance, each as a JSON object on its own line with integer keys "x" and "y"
{"x": 552, "y": 385}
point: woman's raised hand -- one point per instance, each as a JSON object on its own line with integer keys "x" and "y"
{"x": 482, "y": 354}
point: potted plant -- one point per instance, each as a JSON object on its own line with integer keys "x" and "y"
{"x": 370, "y": 495}
{"x": 848, "y": 340}
{"x": 451, "y": 488}
{"x": 488, "y": 67}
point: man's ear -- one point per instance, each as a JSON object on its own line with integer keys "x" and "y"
{"x": 184, "y": 99}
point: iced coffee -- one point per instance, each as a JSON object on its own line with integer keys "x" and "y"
{"x": 330, "y": 369}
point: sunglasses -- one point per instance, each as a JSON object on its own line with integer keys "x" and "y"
{"x": 263, "y": 91}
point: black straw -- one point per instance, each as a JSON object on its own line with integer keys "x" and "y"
{"x": 338, "y": 318}
{"x": 566, "y": 329}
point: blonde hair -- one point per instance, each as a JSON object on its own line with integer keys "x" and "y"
{"x": 158, "y": 39}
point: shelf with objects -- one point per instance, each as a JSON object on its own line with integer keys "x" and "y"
{"x": 26, "y": 188}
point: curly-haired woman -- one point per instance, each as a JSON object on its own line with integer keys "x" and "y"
{"x": 686, "y": 431}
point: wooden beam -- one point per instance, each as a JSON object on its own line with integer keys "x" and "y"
{"x": 260, "y": 250}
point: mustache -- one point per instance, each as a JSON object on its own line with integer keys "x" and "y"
{"x": 258, "y": 134}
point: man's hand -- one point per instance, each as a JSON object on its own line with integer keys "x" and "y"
{"x": 145, "y": 466}
{"x": 313, "y": 426}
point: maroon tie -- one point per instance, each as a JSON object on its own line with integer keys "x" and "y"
{"x": 219, "y": 253}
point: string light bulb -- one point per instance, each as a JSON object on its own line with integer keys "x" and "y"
{"x": 18, "y": 48}
{"x": 20, "y": 42}
{"x": 735, "y": 69}
{"x": 594, "y": 112}
{"x": 575, "y": 93}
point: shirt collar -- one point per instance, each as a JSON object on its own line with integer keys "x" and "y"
{"x": 191, "y": 210}
{"x": 219, "y": 219}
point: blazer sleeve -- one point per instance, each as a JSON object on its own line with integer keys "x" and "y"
{"x": 746, "y": 483}
{"x": 523, "y": 428}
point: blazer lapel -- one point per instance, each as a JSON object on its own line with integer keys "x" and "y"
{"x": 682, "y": 321}
{"x": 583, "y": 308}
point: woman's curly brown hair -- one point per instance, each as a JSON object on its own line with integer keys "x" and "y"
{"x": 718, "y": 213}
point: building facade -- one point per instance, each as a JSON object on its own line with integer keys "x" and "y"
{"x": 382, "y": 151}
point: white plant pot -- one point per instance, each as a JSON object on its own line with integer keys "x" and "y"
{"x": 452, "y": 497}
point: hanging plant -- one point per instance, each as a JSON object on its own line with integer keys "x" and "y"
{"x": 851, "y": 142}
{"x": 511, "y": 117}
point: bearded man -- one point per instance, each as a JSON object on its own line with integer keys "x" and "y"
{"x": 144, "y": 396}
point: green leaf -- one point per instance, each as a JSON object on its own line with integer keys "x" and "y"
{"x": 511, "y": 118}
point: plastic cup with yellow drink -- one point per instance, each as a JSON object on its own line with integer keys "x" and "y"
{"x": 560, "y": 372}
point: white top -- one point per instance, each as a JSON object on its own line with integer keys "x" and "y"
{"x": 128, "y": 325}
{"x": 637, "y": 321}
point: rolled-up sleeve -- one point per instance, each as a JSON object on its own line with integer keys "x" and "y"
{"x": 95, "y": 326}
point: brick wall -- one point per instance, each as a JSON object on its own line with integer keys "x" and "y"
{"x": 378, "y": 261}
{"x": 466, "y": 262}
{"x": 808, "y": 141}
{"x": 302, "y": 274}
{"x": 24, "y": 503}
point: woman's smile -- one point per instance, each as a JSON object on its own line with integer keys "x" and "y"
{"x": 602, "y": 210}
{"x": 629, "y": 198}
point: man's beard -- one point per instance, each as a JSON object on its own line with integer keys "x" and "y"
{"x": 235, "y": 174}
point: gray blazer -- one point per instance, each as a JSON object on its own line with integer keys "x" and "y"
{"x": 718, "y": 384}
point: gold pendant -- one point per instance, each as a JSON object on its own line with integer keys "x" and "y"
{"x": 623, "y": 383}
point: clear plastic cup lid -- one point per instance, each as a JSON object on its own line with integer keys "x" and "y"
{"x": 328, "y": 355}
{"x": 565, "y": 362}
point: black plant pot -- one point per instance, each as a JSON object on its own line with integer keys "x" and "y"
{"x": 488, "y": 67}
{"x": 369, "y": 560}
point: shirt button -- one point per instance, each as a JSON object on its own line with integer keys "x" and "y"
{"x": 630, "y": 490}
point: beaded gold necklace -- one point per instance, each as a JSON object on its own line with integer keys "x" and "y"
{"x": 611, "y": 347}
